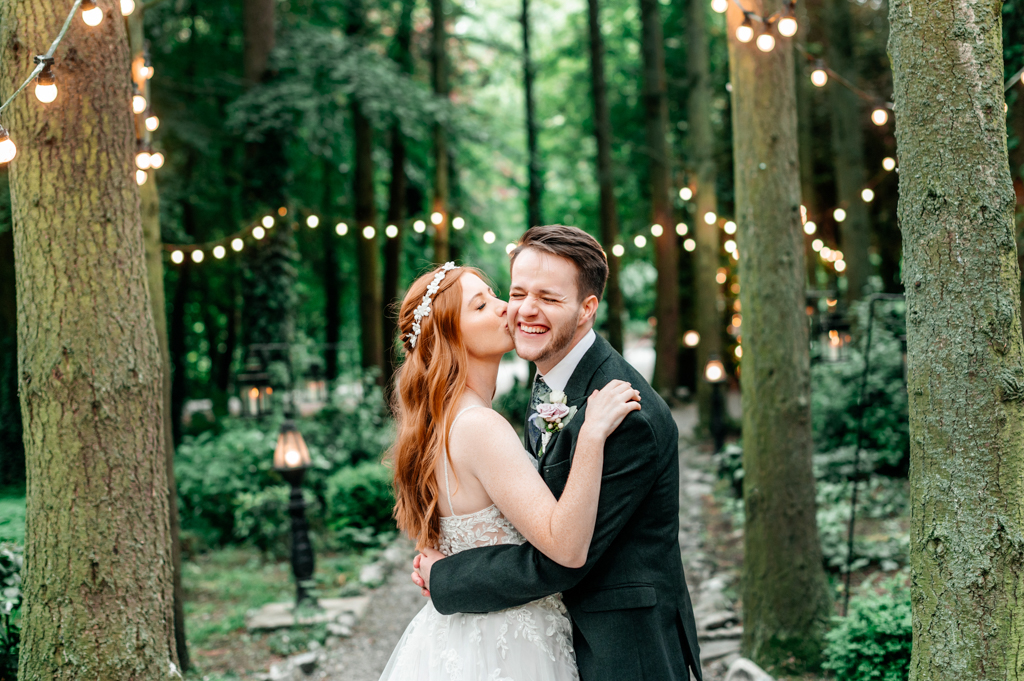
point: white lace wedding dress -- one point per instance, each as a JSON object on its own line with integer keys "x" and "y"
{"x": 530, "y": 643}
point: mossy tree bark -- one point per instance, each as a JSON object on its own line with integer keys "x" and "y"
{"x": 964, "y": 346}
{"x": 702, "y": 146}
{"x": 785, "y": 601}
{"x": 536, "y": 183}
{"x": 98, "y": 586}
{"x": 439, "y": 79}
{"x": 666, "y": 246}
{"x": 608, "y": 212}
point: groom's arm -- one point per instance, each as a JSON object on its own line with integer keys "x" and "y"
{"x": 498, "y": 577}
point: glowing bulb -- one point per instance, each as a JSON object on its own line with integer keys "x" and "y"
{"x": 509, "y": 248}
{"x": 888, "y": 163}
{"x": 817, "y": 245}
{"x": 618, "y": 250}
{"x": 7, "y": 149}
{"x": 730, "y": 246}
{"x": 267, "y": 221}
{"x": 738, "y": 352}
{"x": 489, "y": 237}
{"x": 144, "y": 160}
{"x": 682, "y": 229}
{"x": 745, "y": 32}
{"x": 391, "y": 231}
{"x": 691, "y": 339}
{"x": 91, "y": 14}
{"x": 709, "y": 218}
{"x": 127, "y": 7}
{"x": 458, "y": 223}
{"x": 341, "y": 229}
{"x": 825, "y": 252}
{"x": 819, "y": 77}
{"x": 219, "y": 252}
{"x": 177, "y": 257}
{"x": 810, "y": 227}
{"x": 237, "y": 245}
{"x": 282, "y": 211}
{"x": 259, "y": 232}
{"x": 152, "y": 123}
{"x": 840, "y": 265}
{"x": 730, "y": 227}
{"x": 138, "y": 103}
{"x": 686, "y": 193}
{"x": 736, "y": 254}
{"x": 690, "y": 245}
{"x": 419, "y": 226}
{"x": 839, "y": 214}
{"x": 156, "y": 160}
{"x": 312, "y": 222}
{"x": 292, "y": 458}
{"x": 436, "y": 218}
{"x": 788, "y": 26}
{"x": 46, "y": 86}
{"x": 657, "y": 230}
{"x": 867, "y": 195}
{"x": 766, "y": 42}
{"x": 141, "y": 176}
{"x": 369, "y": 232}
{"x": 197, "y": 257}
{"x": 640, "y": 240}
{"x": 714, "y": 372}
{"x": 879, "y": 116}
{"x": 721, "y": 277}
{"x": 720, "y": 6}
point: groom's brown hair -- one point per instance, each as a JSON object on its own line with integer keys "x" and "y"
{"x": 573, "y": 244}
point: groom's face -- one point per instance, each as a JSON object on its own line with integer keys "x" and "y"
{"x": 544, "y": 308}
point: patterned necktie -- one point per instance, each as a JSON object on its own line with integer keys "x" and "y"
{"x": 540, "y": 388}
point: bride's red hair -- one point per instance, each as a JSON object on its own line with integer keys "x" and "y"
{"x": 428, "y": 387}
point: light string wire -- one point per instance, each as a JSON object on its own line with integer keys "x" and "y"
{"x": 49, "y": 55}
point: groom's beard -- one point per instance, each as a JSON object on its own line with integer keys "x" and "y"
{"x": 561, "y": 337}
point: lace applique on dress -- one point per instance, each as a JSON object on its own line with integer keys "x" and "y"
{"x": 487, "y": 527}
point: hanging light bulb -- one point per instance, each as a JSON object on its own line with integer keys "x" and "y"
{"x": 313, "y": 222}
{"x": 156, "y": 160}
{"x": 720, "y": 5}
{"x": 91, "y": 14}
{"x": 509, "y": 248}
{"x": 267, "y": 221}
{"x": 177, "y": 257}
{"x": 745, "y": 31}
{"x": 618, "y": 250}
{"x": 690, "y": 245}
{"x": 888, "y": 163}
{"x": 640, "y": 240}
{"x": 127, "y": 7}
{"x": 730, "y": 227}
{"x": 709, "y": 218}
{"x": 391, "y": 231}
{"x": 197, "y": 257}
{"x": 144, "y": 160}
{"x": 341, "y": 229}
{"x": 419, "y": 226}
{"x": 819, "y": 76}
{"x": 868, "y": 195}
{"x": 787, "y": 24}
{"x": 139, "y": 102}
{"x": 657, "y": 230}
{"x": 219, "y": 252}
{"x": 46, "y": 83}
{"x": 766, "y": 41}
{"x": 369, "y": 232}
{"x": 682, "y": 229}
{"x": 879, "y": 116}
{"x": 489, "y": 237}
{"x": 817, "y": 245}
{"x": 147, "y": 69}
{"x": 686, "y": 193}
{"x": 237, "y": 244}
{"x": 810, "y": 227}
{"x": 140, "y": 177}
{"x": 839, "y": 214}
{"x": 7, "y": 149}
{"x": 436, "y": 218}
{"x": 259, "y": 232}
{"x": 152, "y": 123}
{"x": 458, "y": 223}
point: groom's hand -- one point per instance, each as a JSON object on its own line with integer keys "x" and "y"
{"x": 422, "y": 564}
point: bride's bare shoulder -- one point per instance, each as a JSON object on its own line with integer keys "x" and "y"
{"x": 478, "y": 426}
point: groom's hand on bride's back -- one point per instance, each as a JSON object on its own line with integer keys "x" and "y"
{"x": 422, "y": 564}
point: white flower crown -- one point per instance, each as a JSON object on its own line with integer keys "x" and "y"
{"x": 424, "y": 309}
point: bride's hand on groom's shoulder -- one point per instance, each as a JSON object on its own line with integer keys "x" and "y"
{"x": 421, "y": 565}
{"x": 607, "y": 407}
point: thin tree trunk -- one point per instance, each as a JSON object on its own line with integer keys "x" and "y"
{"x": 332, "y": 278}
{"x": 609, "y": 213}
{"x": 258, "y": 30}
{"x": 784, "y": 591}
{"x": 439, "y": 78}
{"x": 807, "y": 15}
{"x": 666, "y": 246}
{"x": 176, "y": 347}
{"x": 964, "y": 345}
{"x": 98, "y": 584}
{"x": 702, "y": 144}
{"x": 533, "y": 204}
{"x": 848, "y": 150}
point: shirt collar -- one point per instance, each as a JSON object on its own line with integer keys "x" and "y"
{"x": 559, "y": 376}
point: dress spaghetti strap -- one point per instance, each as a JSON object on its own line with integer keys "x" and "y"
{"x": 447, "y": 489}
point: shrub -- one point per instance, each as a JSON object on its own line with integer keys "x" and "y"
{"x": 872, "y": 643}
{"x": 360, "y": 503}
{"x": 11, "y": 561}
{"x": 514, "y": 404}
{"x": 262, "y": 518}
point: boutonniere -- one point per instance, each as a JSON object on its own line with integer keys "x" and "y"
{"x": 552, "y": 415}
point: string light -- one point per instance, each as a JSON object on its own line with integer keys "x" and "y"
{"x": 147, "y": 68}
{"x": 810, "y": 227}
{"x": 489, "y": 237}
{"x": 139, "y": 103}
{"x": 682, "y": 229}
{"x": 436, "y": 218}
{"x": 690, "y": 245}
{"x": 369, "y": 232}
{"x": 730, "y": 246}
{"x": 738, "y": 352}
{"x": 720, "y": 6}
{"x": 840, "y": 265}
{"x": 143, "y": 160}
{"x": 825, "y": 252}
{"x": 721, "y": 276}
{"x": 259, "y": 232}
{"x": 458, "y": 223}
{"x": 691, "y": 339}
{"x": 618, "y": 250}
{"x": 127, "y": 7}
{"x": 341, "y": 229}
{"x": 237, "y": 245}
{"x": 888, "y": 163}
{"x": 686, "y": 193}
{"x": 839, "y": 214}
{"x": 817, "y": 245}
{"x": 177, "y": 257}
{"x": 657, "y": 230}
{"x": 152, "y": 123}
{"x": 391, "y": 231}
{"x": 219, "y": 252}
{"x": 267, "y": 221}
{"x": 868, "y": 195}
{"x": 46, "y": 82}
{"x": 745, "y": 31}
{"x": 709, "y": 218}
{"x": 197, "y": 257}
{"x": 819, "y": 76}
{"x": 312, "y": 222}
{"x": 766, "y": 41}
{"x": 140, "y": 177}
{"x": 730, "y": 227}
{"x": 640, "y": 240}
{"x": 787, "y": 24}
{"x": 156, "y": 160}
{"x": 91, "y": 14}
{"x": 8, "y": 150}
{"x": 511, "y": 247}
{"x": 879, "y": 116}
{"x": 419, "y": 226}
{"x": 282, "y": 211}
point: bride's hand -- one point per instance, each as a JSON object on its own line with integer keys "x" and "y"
{"x": 606, "y": 408}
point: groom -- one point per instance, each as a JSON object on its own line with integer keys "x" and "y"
{"x": 629, "y": 604}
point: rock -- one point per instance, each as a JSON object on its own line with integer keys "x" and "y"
{"x": 307, "y": 662}
{"x": 718, "y": 634}
{"x": 396, "y": 555}
{"x": 712, "y": 650}
{"x": 282, "y": 615}
{"x": 745, "y": 670}
{"x": 340, "y": 630}
{"x": 372, "y": 574}
{"x": 717, "y": 620}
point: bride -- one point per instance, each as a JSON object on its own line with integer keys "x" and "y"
{"x": 463, "y": 480}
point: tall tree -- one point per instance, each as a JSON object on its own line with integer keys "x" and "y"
{"x": 149, "y": 200}
{"x": 439, "y": 78}
{"x": 370, "y": 316}
{"x": 964, "y": 344}
{"x": 536, "y": 184}
{"x": 98, "y": 586}
{"x": 807, "y": 14}
{"x": 12, "y": 463}
{"x": 702, "y": 146}
{"x": 609, "y": 212}
{"x": 785, "y": 600}
{"x": 848, "y": 149}
{"x": 666, "y": 246}
{"x": 331, "y": 276}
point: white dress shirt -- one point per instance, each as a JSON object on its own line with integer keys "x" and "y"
{"x": 559, "y": 376}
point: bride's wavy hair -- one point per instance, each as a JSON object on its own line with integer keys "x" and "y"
{"x": 427, "y": 389}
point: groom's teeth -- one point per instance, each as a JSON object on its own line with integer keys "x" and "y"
{"x": 532, "y": 329}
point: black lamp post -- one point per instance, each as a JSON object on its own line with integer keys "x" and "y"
{"x": 714, "y": 373}
{"x": 254, "y": 388}
{"x": 291, "y": 459}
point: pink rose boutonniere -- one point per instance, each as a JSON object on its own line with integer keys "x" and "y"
{"x": 553, "y": 414}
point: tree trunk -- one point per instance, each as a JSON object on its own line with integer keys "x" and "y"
{"x": 533, "y": 204}
{"x": 666, "y": 246}
{"x": 332, "y": 278}
{"x": 964, "y": 342}
{"x": 12, "y": 463}
{"x": 439, "y": 78}
{"x": 702, "y": 145}
{"x": 176, "y": 347}
{"x": 98, "y": 584}
{"x": 807, "y": 14}
{"x": 609, "y": 213}
{"x": 369, "y": 256}
{"x": 848, "y": 150}
{"x": 258, "y": 31}
{"x": 785, "y": 600}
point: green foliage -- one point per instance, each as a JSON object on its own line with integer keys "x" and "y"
{"x": 12, "y": 516}
{"x": 872, "y": 643}
{"x": 360, "y": 503}
{"x": 514, "y": 404}
{"x": 262, "y": 518}
{"x": 11, "y": 562}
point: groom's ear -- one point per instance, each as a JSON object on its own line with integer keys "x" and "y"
{"x": 589, "y": 305}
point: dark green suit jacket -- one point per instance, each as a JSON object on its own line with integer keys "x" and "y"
{"x": 630, "y": 608}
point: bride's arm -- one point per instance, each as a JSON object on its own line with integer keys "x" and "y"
{"x": 560, "y": 529}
